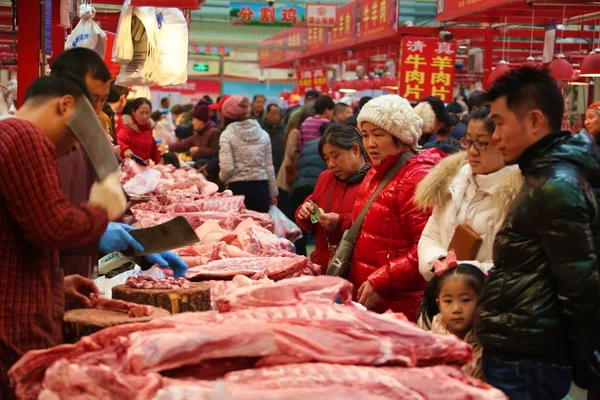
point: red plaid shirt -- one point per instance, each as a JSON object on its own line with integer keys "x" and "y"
{"x": 36, "y": 220}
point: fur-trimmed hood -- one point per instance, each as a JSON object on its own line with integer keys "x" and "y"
{"x": 434, "y": 189}
{"x": 128, "y": 121}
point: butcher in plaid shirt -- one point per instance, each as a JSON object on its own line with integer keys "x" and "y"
{"x": 36, "y": 220}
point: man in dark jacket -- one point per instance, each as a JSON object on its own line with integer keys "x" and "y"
{"x": 276, "y": 129}
{"x": 537, "y": 317}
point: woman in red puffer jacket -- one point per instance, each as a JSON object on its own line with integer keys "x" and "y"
{"x": 136, "y": 136}
{"x": 385, "y": 268}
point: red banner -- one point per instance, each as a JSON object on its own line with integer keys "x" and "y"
{"x": 448, "y": 10}
{"x": 312, "y": 79}
{"x": 189, "y": 4}
{"x": 426, "y": 68}
{"x": 264, "y": 56}
{"x": 316, "y": 38}
{"x": 378, "y": 19}
{"x": 345, "y": 30}
{"x": 114, "y": 67}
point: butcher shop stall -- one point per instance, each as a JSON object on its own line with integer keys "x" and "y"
{"x": 250, "y": 319}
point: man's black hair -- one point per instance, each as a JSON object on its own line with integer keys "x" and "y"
{"x": 447, "y": 145}
{"x": 271, "y": 106}
{"x": 116, "y": 92}
{"x": 323, "y": 103}
{"x": 363, "y": 100}
{"x": 530, "y": 88}
{"x": 476, "y": 99}
{"x": 57, "y": 86}
{"x": 80, "y": 62}
{"x": 164, "y": 100}
{"x": 256, "y": 96}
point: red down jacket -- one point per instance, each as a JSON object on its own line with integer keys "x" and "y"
{"x": 140, "y": 141}
{"x": 343, "y": 197}
{"x": 385, "y": 252}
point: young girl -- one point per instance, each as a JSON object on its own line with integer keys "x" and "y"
{"x": 135, "y": 137}
{"x": 449, "y": 303}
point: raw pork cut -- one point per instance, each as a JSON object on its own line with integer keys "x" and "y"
{"x": 131, "y": 309}
{"x": 274, "y": 268}
{"x": 336, "y": 382}
{"x": 148, "y": 282}
{"x": 267, "y": 336}
{"x": 247, "y": 293}
{"x": 201, "y": 254}
{"x": 166, "y": 204}
{"x": 226, "y": 220}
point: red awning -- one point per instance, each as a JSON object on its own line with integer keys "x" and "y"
{"x": 514, "y": 11}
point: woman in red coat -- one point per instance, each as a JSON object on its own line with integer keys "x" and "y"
{"x": 335, "y": 193}
{"x": 384, "y": 268}
{"x": 135, "y": 137}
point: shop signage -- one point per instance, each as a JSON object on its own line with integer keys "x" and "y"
{"x": 316, "y": 38}
{"x": 312, "y": 79}
{"x": 426, "y": 68}
{"x": 188, "y": 4}
{"x": 345, "y": 29}
{"x": 378, "y": 19}
{"x": 248, "y": 13}
{"x": 321, "y": 15}
{"x": 451, "y": 9}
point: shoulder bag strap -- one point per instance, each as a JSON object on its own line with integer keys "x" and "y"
{"x": 355, "y": 228}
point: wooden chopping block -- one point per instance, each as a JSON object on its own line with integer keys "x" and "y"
{"x": 173, "y": 300}
{"x": 83, "y": 322}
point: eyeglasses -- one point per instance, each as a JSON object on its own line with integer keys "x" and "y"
{"x": 478, "y": 144}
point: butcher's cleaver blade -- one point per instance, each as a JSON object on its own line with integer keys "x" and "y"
{"x": 86, "y": 127}
{"x": 168, "y": 236}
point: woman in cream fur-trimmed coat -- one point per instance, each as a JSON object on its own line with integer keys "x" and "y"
{"x": 458, "y": 195}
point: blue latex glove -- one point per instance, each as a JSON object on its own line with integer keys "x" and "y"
{"x": 117, "y": 238}
{"x": 168, "y": 259}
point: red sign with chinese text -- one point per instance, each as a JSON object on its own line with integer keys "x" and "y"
{"x": 426, "y": 68}
{"x": 312, "y": 79}
{"x": 295, "y": 43}
{"x": 321, "y": 15}
{"x": 316, "y": 38}
{"x": 345, "y": 29}
{"x": 378, "y": 19}
{"x": 448, "y": 10}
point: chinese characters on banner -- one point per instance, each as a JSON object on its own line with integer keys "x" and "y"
{"x": 426, "y": 68}
{"x": 321, "y": 15}
{"x": 378, "y": 18}
{"x": 450, "y": 9}
{"x": 248, "y": 13}
{"x": 312, "y": 79}
{"x": 316, "y": 38}
{"x": 345, "y": 29}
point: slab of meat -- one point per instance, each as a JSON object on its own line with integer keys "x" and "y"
{"x": 148, "y": 282}
{"x": 201, "y": 254}
{"x": 131, "y": 309}
{"x": 202, "y": 203}
{"x": 267, "y": 336}
{"x": 336, "y": 382}
{"x": 247, "y": 293}
{"x": 274, "y": 268}
{"x": 227, "y": 220}
{"x": 427, "y": 348}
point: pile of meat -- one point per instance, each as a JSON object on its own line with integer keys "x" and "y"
{"x": 148, "y": 282}
{"x": 248, "y": 239}
{"x": 143, "y": 361}
{"x": 138, "y": 180}
{"x": 193, "y": 202}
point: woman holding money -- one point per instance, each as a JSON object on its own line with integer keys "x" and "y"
{"x": 327, "y": 212}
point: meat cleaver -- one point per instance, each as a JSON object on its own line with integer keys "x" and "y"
{"x": 171, "y": 235}
{"x": 86, "y": 127}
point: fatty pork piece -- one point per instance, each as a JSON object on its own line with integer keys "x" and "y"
{"x": 275, "y": 268}
{"x": 248, "y": 293}
{"x": 336, "y": 382}
{"x": 269, "y": 336}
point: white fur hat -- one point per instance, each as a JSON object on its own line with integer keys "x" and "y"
{"x": 393, "y": 114}
{"x": 425, "y": 111}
